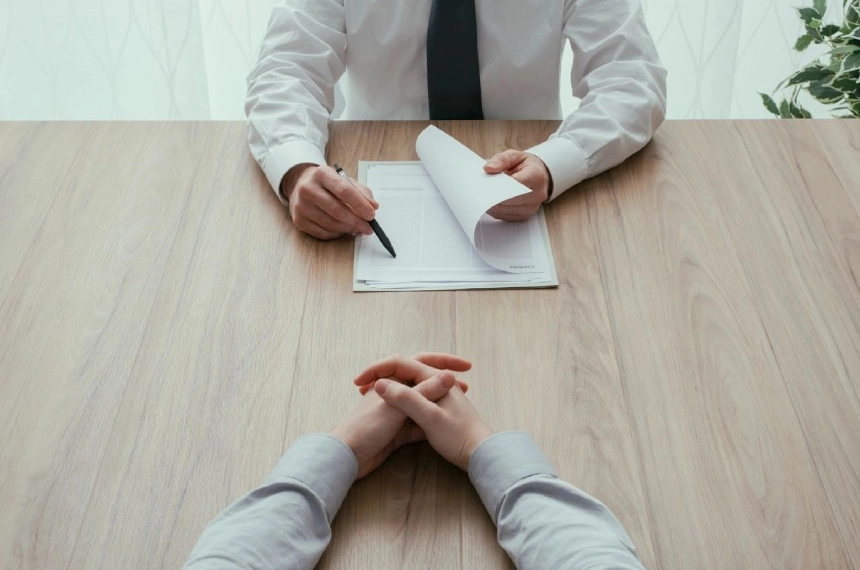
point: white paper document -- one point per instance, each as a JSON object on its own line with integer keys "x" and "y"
{"x": 434, "y": 213}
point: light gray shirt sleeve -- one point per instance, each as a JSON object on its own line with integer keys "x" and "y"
{"x": 286, "y": 522}
{"x": 542, "y": 521}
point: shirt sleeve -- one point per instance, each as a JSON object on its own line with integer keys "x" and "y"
{"x": 542, "y": 521}
{"x": 286, "y": 522}
{"x": 622, "y": 84}
{"x": 291, "y": 89}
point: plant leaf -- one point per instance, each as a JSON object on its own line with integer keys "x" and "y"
{"x": 824, "y": 93}
{"x": 841, "y": 50}
{"x": 784, "y": 110}
{"x": 820, "y": 6}
{"x": 850, "y": 63}
{"x": 845, "y": 84}
{"x": 808, "y": 14}
{"x": 852, "y": 15}
{"x": 816, "y": 35}
{"x": 803, "y": 42}
{"x": 769, "y": 104}
{"x": 829, "y": 30}
{"x": 812, "y": 73}
{"x": 798, "y": 112}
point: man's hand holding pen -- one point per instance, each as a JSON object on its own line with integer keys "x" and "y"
{"x": 325, "y": 205}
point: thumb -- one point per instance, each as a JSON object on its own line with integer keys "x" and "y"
{"x": 436, "y": 387}
{"x": 407, "y": 400}
{"x": 503, "y": 161}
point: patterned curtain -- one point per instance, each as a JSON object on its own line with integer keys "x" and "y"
{"x": 188, "y": 59}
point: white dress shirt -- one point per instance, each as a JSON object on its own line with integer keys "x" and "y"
{"x": 378, "y": 48}
{"x": 543, "y": 522}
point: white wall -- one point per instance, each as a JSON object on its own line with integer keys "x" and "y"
{"x": 188, "y": 59}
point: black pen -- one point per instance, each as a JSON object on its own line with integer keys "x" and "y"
{"x": 374, "y": 225}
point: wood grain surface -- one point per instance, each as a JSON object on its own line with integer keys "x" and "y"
{"x": 165, "y": 333}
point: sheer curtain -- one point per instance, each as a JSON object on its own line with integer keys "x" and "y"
{"x": 188, "y": 59}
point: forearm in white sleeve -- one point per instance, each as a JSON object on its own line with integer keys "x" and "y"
{"x": 542, "y": 521}
{"x": 286, "y": 522}
{"x": 291, "y": 89}
{"x": 622, "y": 83}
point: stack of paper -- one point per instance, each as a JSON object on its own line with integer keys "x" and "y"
{"x": 434, "y": 213}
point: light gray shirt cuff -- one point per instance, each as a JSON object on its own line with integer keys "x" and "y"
{"x": 325, "y": 464}
{"x": 500, "y": 461}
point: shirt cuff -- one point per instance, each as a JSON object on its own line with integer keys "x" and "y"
{"x": 325, "y": 464}
{"x": 566, "y": 162}
{"x": 282, "y": 158}
{"x": 500, "y": 461}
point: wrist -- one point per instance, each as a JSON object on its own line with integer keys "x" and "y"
{"x": 478, "y": 435}
{"x": 548, "y": 177}
{"x": 343, "y": 435}
{"x": 291, "y": 178}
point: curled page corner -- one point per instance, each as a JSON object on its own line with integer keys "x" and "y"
{"x": 458, "y": 173}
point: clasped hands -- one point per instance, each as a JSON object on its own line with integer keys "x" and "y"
{"x": 326, "y": 206}
{"x": 406, "y": 400}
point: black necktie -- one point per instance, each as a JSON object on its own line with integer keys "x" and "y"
{"x": 453, "y": 75}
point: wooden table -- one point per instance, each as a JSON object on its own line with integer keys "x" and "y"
{"x": 165, "y": 333}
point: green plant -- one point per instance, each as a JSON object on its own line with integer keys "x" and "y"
{"x": 835, "y": 81}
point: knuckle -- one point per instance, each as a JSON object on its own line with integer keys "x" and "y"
{"x": 300, "y": 222}
{"x": 300, "y": 209}
{"x": 302, "y": 191}
{"x": 398, "y": 392}
{"x": 427, "y": 390}
{"x": 338, "y": 188}
{"x": 329, "y": 225}
{"x": 341, "y": 212}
